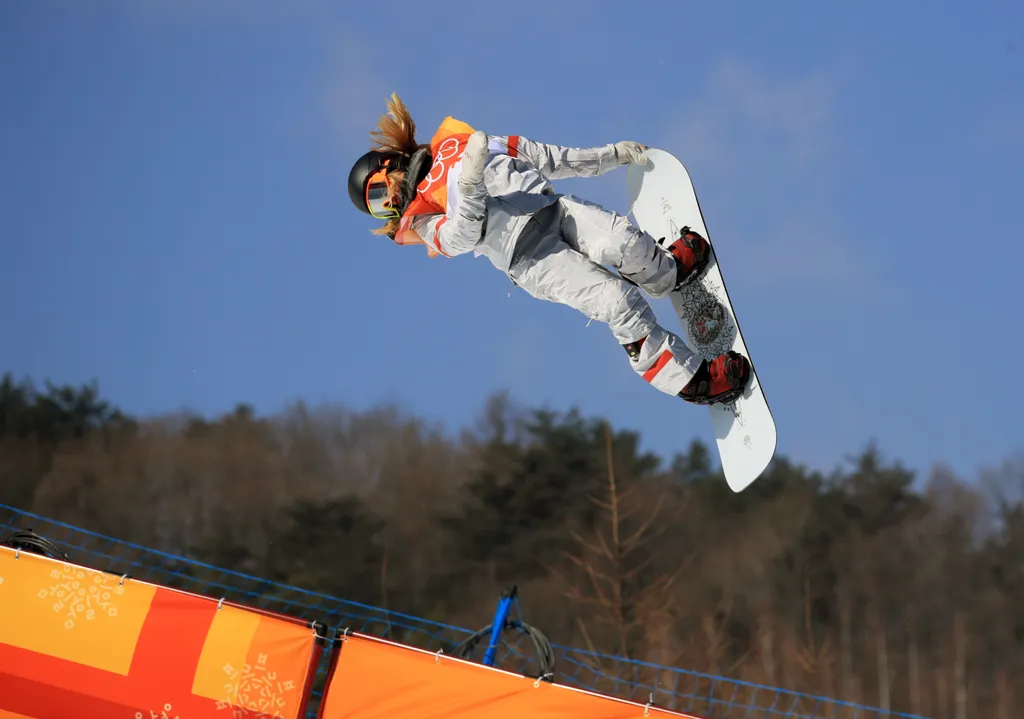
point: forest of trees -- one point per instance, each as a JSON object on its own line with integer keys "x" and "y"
{"x": 868, "y": 585}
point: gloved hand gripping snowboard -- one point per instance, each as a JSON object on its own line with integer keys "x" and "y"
{"x": 629, "y": 152}
{"x": 474, "y": 158}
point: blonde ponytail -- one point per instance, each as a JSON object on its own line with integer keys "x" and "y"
{"x": 396, "y": 130}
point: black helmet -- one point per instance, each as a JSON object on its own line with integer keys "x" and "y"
{"x": 367, "y": 187}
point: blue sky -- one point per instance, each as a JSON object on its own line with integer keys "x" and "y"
{"x": 175, "y": 224}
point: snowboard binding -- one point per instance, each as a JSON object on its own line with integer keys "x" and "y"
{"x": 720, "y": 381}
{"x": 692, "y": 253}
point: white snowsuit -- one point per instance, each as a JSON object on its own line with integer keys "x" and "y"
{"x": 552, "y": 245}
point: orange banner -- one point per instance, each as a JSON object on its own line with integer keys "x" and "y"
{"x": 375, "y": 679}
{"x": 79, "y": 642}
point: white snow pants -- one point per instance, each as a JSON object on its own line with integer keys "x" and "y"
{"x": 560, "y": 256}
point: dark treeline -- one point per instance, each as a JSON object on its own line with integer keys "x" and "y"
{"x": 868, "y": 585}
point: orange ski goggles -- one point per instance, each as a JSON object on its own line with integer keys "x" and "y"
{"x": 378, "y": 199}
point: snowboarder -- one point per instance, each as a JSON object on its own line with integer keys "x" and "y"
{"x": 492, "y": 195}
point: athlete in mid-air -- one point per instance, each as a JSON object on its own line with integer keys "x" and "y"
{"x": 492, "y": 195}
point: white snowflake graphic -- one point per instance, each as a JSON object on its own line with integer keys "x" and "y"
{"x": 151, "y": 714}
{"x": 82, "y": 594}
{"x": 255, "y": 691}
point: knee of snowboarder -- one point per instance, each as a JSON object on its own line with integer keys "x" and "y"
{"x": 631, "y": 309}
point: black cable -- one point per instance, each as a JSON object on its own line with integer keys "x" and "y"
{"x": 28, "y": 541}
{"x": 545, "y": 654}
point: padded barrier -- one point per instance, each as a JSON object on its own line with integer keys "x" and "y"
{"x": 79, "y": 642}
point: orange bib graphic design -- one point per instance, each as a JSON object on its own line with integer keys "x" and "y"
{"x": 446, "y": 148}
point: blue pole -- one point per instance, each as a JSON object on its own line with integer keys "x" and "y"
{"x": 498, "y": 625}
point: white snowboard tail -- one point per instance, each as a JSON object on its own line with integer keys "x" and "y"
{"x": 663, "y": 202}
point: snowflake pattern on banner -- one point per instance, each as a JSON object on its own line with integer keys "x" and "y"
{"x": 82, "y": 594}
{"x": 255, "y": 691}
{"x": 164, "y": 714}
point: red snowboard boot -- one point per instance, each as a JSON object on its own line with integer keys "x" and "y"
{"x": 720, "y": 381}
{"x": 692, "y": 253}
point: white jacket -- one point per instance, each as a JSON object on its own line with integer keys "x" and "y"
{"x": 487, "y": 220}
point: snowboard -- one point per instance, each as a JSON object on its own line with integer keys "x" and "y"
{"x": 662, "y": 202}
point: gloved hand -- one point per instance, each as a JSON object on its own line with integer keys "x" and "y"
{"x": 628, "y": 152}
{"x": 473, "y": 160}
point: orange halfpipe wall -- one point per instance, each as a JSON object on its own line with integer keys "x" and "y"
{"x": 372, "y": 678}
{"x": 79, "y": 642}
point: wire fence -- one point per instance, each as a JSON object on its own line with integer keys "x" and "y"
{"x": 705, "y": 695}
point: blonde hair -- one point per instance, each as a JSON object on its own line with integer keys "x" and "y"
{"x": 396, "y": 132}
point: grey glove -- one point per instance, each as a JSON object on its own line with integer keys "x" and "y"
{"x": 628, "y": 152}
{"x": 473, "y": 160}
